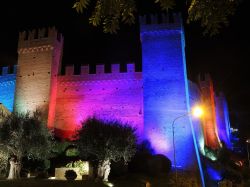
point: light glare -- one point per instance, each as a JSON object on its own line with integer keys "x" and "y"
{"x": 197, "y": 111}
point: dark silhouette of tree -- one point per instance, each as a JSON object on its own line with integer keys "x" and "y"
{"x": 106, "y": 141}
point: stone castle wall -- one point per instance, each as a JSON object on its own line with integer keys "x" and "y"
{"x": 7, "y": 87}
{"x": 165, "y": 91}
{"x": 37, "y": 61}
{"x": 222, "y": 120}
{"x": 151, "y": 100}
{"x": 108, "y": 96}
{"x": 209, "y": 120}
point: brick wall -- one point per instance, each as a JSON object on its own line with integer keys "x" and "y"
{"x": 107, "y": 96}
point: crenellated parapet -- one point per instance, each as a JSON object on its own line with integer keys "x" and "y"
{"x": 7, "y": 76}
{"x": 100, "y": 74}
{"x": 160, "y": 24}
{"x": 7, "y": 70}
{"x": 7, "y": 86}
{"x": 39, "y": 40}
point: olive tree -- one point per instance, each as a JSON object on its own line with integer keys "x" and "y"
{"x": 24, "y": 135}
{"x": 3, "y": 162}
{"x": 106, "y": 141}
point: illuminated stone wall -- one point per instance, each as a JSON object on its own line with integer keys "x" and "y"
{"x": 7, "y": 87}
{"x": 209, "y": 119}
{"x": 150, "y": 100}
{"x": 108, "y": 96}
{"x": 165, "y": 92}
{"x": 222, "y": 120}
{"x": 195, "y": 99}
{"x": 39, "y": 54}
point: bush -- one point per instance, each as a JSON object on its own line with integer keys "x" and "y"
{"x": 70, "y": 175}
{"x": 152, "y": 165}
{"x": 139, "y": 162}
{"x": 158, "y": 164}
{"x": 118, "y": 169}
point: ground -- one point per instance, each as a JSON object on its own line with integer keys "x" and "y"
{"x": 134, "y": 180}
{"x": 47, "y": 183}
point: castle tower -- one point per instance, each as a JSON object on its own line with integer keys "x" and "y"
{"x": 209, "y": 120}
{"x": 165, "y": 88}
{"x": 39, "y": 59}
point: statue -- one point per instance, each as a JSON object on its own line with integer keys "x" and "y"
{"x": 15, "y": 167}
{"x": 106, "y": 170}
{"x": 12, "y": 171}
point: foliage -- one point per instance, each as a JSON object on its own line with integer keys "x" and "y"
{"x": 106, "y": 140}
{"x": 212, "y": 14}
{"x": 25, "y": 135}
{"x": 3, "y": 161}
{"x": 71, "y": 152}
{"x": 83, "y": 166}
{"x": 70, "y": 174}
{"x": 210, "y": 153}
{"x": 59, "y": 147}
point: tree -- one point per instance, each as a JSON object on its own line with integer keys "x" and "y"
{"x": 106, "y": 141}
{"x": 24, "y": 135}
{"x": 212, "y": 14}
{"x": 3, "y": 162}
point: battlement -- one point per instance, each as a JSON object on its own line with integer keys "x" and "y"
{"x": 204, "y": 77}
{"x": 100, "y": 69}
{"x": 100, "y": 74}
{"x": 163, "y": 18}
{"x": 8, "y": 70}
{"x": 159, "y": 23}
{"x": 205, "y": 80}
{"x": 39, "y": 39}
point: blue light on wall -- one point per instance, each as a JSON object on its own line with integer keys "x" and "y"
{"x": 214, "y": 175}
{"x": 165, "y": 94}
{"x": 7, "y": 88}
{"x": 222, "y": 120}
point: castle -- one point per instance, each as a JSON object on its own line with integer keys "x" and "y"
{"x": 149, "y": 100}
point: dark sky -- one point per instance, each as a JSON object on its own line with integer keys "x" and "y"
{"x": 225, "y": 57}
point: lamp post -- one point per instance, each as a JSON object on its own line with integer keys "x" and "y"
{"x": 248, "y": 141}
{"x": 197, "y": 111}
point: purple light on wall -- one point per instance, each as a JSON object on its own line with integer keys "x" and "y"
{"x": 107, "y": 96}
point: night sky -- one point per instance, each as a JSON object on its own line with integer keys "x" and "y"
{"x": 225, "y": 57}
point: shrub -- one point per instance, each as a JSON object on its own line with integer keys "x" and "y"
{"x": 118, "y": 169}
{"x": 70, "y": 175}
{"x": 152, "y": 165}
{"x": 72, "y": 152}
{"x": 158, "y": 164}
{"x": 82, "y": 165}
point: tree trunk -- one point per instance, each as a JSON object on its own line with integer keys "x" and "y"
{"x": 15, "y": 168}
{"x": 104, "y": 170}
